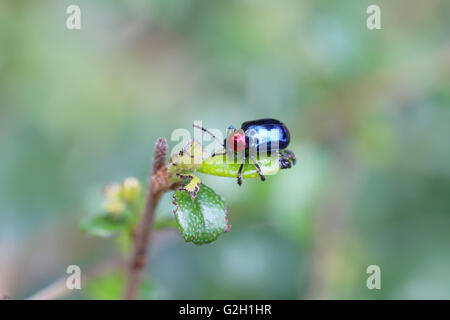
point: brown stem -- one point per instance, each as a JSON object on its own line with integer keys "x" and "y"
{"x": 157, "y": 185}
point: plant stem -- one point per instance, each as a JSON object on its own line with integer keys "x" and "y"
{"x": 157, "y": 185}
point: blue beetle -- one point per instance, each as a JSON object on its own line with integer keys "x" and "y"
{"x": 263, "y": 135}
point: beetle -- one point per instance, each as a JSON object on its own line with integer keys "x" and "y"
{"x": 256, "y": 136}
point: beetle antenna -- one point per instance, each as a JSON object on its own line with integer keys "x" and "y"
{"x": 210, "y": 133}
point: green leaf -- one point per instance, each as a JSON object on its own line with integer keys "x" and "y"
{"x": 218, "y": 166}
{"x": 103, "y": 226}
{"x": 203, "y": 219}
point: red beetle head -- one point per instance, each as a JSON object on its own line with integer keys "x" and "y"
{"x": 236, "y": 141}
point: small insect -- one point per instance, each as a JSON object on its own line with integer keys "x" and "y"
{"x": 269, "y": 135}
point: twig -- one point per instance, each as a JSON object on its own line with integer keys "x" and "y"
{"x": 157, "y": 185}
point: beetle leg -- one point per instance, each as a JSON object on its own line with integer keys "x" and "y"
{"x": 215, "y": 154}
{"x": 186, "y": 148}
{"x": 289, "y": 155}
{"x": 239, "y": 176}
{"x": 258, "y": 168}
{"x": 286, "y": 156}
{"x": 182, "y": 152}
{"x": 285, "y": 163}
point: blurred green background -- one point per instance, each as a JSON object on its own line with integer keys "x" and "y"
{"x": 368, "y": 113}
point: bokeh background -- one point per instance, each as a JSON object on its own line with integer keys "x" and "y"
{"x": 368, "y": 113}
